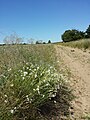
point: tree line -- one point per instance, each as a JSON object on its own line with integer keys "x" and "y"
{"x": 14, "y": 39}
{"x": 72, "y": 35}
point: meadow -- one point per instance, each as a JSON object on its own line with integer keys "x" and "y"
{"x": 31, "y": 87}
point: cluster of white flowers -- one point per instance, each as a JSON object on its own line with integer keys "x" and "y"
{"x": 38, "y": 81}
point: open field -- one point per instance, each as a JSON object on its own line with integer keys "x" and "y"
{"x": 44, "y": 82}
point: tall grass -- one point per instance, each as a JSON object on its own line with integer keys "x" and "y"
{"x": 30, "y": 84}
{"x": 81, "y": 44}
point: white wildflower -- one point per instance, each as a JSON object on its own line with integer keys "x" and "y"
{"x": 47, "y": 84}
{"x": 43, "y": 80}
{"x": 27, "y": 99}
{"x": 26, "y": 63}
{"x": 35, "y": 75}
{"x": 30, "y": 100}
{"x": 54, "y": 101}
{"x": 51, "y": 67}
{"x": 5, "y": 101}
{"x": 12, "y": 85}
{"x": 15, "y": 108}
{"x": 27, "y": 67}
{"x": 34, "y": 90}
{"x": 55, "y": 74}
{"x": 5, "y": 95}
{"x": 30, "y": 73}
{"x": 23, "y": 78}
{"x": 34, "y": 69}
{"x": 37, "y": 68}
{"x": 3, "y": 76}
{"x": 37, "y": 89}
{"x": 38, "y": 92}
{"x": 26, "y": 96}
{"x": 53, "y": 95}
{"x": 25, "y": 73}
{"x": 41, "y": 74}
{"x": 12, "y": 111}
{"x": 43, "y": 96}
{"x": 58, "y": 86}
{"x": 9, "y": 69}
{"x": 48, "y": 71}
{"x": 50, "y": 98}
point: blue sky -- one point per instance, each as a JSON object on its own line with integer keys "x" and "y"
{"x": 43, "y": 19}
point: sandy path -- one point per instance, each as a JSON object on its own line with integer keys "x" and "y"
{"x": 78, "y": 63}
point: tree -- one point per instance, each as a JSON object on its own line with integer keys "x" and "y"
{"x": 12, "y": 39}
{"x": 72, "y": 35}
{"x": 88, "y": 32}
{"x": 39, "y": 42}
{"x": 31, "y": 40}
{"x": 49, "y": 41}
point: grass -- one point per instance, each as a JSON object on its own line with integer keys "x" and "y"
{"x": 81, "y": 44}
{"x": 86, "y": 117}
{"x": 31, "y": 87}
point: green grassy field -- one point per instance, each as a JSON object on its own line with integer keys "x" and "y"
{"x": 31, "y": 87}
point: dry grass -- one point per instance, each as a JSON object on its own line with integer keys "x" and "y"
{"x": 81, "y": 44}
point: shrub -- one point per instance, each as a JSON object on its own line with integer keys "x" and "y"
{"x": 88, "y": 32}
{"x": 72, "y": 35}
{"x": 26, "y": 90}
{"x": 49, "y": 41}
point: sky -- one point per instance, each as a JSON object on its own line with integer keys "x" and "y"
{"x": 43, "y": 19}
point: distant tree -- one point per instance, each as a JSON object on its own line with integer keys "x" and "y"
{"x": 39, "y": 42}
{"x": 6, "y": 40}
{"x": 31, "y": 40}
{"x": 88, "y": 32}
{"x": 12, "y": 39}
{"x": 72, "y": 35}
{"x": 49, "y": 41}
{"x": 44, "y": 43}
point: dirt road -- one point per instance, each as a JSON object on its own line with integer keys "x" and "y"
{"x": 78, "y": 63}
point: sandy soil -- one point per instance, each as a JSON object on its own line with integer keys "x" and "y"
{"x": 78, "y": 63}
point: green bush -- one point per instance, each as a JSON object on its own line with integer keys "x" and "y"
{"x": 72, "y": 35}
{"x": 24, "y": 91}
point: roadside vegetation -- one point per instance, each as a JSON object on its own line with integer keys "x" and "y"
{"x": 76, "y": 39}
{"x": 81, "y": 44}
{"x": 31, "y": 87}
